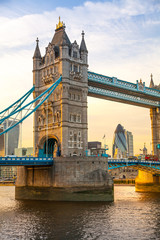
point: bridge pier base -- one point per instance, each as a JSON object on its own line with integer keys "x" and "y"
{"x": 69, "y": 179}
{"x": 147, "y": 182}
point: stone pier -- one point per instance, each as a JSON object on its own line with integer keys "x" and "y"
{"x": 69, "y": 179}
{"x": 147, "y": 182}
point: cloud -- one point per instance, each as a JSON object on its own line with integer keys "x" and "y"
{"x": 122, "y": 38}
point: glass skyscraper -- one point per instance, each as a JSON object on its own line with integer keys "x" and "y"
{"x": 122, "y": 143}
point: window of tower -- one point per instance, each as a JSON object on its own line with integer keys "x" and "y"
{"x": 56, "y": 50}
{"x": 71, "y": 133}
{"x": 75, "y": 137}
{"x": 75, "y": 68}
{"x": 74, "y": 118}
{"x": 75, "y": 55}
{"x": 51, "y": 59}
{"x": 74, "y": 96}
{"x": 79, "y": 118}
{"x": 79, "y": 97}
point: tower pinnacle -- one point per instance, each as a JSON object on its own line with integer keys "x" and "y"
{"x": 151, "y": 82}
{"x": 83, "y": 47}
{"x": 37, "y": 53}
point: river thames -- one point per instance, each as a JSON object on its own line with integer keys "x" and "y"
{"x": 131, "y": 216}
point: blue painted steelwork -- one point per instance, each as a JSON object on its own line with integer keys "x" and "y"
{"x": 26, "y": 161}
{"x": 112, "y": 81}
{"x": 16, "y": 104}
{"x": 125, "y": 97}
{"x": 114, "y": 89}
{"x": 149, "y": 166}
{"x": 38, "y": 101}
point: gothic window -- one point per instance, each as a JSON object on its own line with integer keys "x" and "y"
{"x": 75, "y": 68}
{"x": 70, "y": 117}
{"x": 51, "y": 59}
{"x": 79, "y": 118}
{"x": 74, "y": 118}
{"x": 75, "y": 55}
{"x": 69, "y": 95}
{"x": 75, "y": 137}
{"x": 69, "y": 51}
{"x": 71, "y": 133}
{"x": 79, "y": 97}
{"x": 56, "y": 50}
{"x": 74, "y": 96}
{"x": 79, "y": 134}
{"x": 70, "y": 144}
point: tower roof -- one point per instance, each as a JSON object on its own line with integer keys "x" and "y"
{"x": 37, "y": 53}
{"x": 119, "y": 128}
{"x": 151, "y": 82}
{"x": 60, "y": 37}
{"x": 83, "y": 47}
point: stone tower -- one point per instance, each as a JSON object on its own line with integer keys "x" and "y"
{"x": 60, "y": 124}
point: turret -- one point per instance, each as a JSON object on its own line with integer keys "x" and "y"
{"x": 151, "y": 82}
{"x": 36, "y": 63}
{"x": 36, "y": 56}
{"x": 83, "y": 50}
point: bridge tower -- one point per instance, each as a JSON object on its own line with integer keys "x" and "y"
{"x": 60, "y": 129}
{"x": 155, "y": 125}
{"x": 60, "y": 124}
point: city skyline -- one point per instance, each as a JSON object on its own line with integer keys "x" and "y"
{"x": 122, "y": 38}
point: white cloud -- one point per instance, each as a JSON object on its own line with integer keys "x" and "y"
{"x": 121, "y": 37}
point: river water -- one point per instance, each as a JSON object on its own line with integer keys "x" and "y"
{"x": 131, "y": 216}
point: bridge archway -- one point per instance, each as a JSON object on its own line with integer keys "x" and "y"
{"x": 49, "y": 146}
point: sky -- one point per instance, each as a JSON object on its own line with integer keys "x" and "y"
{"x": 122, "y": 38}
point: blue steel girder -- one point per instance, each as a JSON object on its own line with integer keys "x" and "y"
{"x": 114, "y": 89}
{"x": 27, "y": 109}
{"x": 120, "y": 97}
{"x": 148, "y": 166}
{"x": 25, "y": 161}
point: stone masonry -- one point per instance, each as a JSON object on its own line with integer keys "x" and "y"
{"x": 64, "y": 116}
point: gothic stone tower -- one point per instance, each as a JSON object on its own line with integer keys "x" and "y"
{"x": 60, "y": 124}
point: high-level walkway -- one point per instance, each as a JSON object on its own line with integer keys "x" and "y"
{"x": 113, "y": 89}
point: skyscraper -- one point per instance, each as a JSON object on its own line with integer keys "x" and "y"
{"x": 122, "y": 143}
{"x": 130, "y": 143}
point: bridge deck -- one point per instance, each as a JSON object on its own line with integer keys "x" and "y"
{"x": 148, "y": 166}
{"x": 25, "y": 161}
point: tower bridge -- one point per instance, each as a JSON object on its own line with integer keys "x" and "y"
{"x": 62, "y": 84}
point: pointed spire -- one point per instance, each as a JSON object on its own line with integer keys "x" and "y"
{"x": 151, "y": 82}
{"x": 83, "y": 47}
{"x": 37, "y": 53}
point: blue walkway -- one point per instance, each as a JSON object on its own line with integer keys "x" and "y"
{"x": 148, "y": 166}
{"x": 25, "y": 161}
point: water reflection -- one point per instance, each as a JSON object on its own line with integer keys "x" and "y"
{"x": 132, "y": 216}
